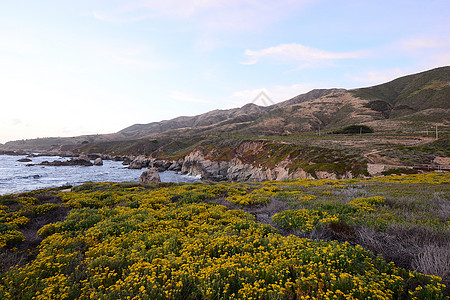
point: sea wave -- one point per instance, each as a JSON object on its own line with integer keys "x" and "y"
{"x": 16, "y": 177}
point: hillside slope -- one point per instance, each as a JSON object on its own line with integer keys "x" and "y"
{"x": 410, "y": 94}
{"x": 423, "y": 96}
{"x": 413, "y": 103}
{"x": 248, "y": 112}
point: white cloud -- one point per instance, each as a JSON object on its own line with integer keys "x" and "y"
{"x": 207, "y": 19}
{"x": 99, "y": 16}
{"x": 425, "y": 52}
{"x": 297, "y": 53}
{"x": 129, "y": 57}
{"x": 431, "y": 51}
{"x": 421, "y": 43}
{"x": 442, "y": 59}
{"x": 16, "y": 121}
{"x": 378, "y": 76}
{"x": 180, "y": 96}
{"x": 211, "y": 15}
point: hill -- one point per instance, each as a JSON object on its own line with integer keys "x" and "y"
{"x": 421, "y": 96}
{"x": 405, "y": 105}
{"x": 217, "y": 118}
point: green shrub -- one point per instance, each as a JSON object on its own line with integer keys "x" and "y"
{"x": 354, "y": 129}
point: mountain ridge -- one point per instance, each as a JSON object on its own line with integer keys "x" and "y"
{"x": 406, "y": 102}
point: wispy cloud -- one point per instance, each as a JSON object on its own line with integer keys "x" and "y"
{"x": 131, "y": 58}
{"x": 15, "y": 122}
{"x": 13, "y": 43}
{"x": 378, "y": 76}
{"x": 422, "y": 43}
{"x": 184, "y": 97}
{"x": 209, "y": 21}
{"x": 211, "y": 14}
{"x": 430, "y": 51}
{"x": 298, "y": 54}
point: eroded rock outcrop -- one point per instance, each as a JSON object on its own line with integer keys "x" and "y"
{"x": 161, "y": 165}
{"x": 72, "y": 162}
{"x": 196, "y": 163}
{"x": 24, "y": 160}
{"x": 98, "y": 161}
{"x": 139, "y": 162}
{"x": 176, "y": 165}
{"x": 83, "y": 157}
{"x": 150, "y": 175}
{"x": 250, "y": 161}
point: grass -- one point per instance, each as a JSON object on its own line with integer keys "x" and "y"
{"x": 414, "y": 90}
{"x": 439, "y": 147}
{"x": 326, "y": 239}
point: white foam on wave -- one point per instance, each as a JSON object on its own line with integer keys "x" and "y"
{"x": 17, "y": 177}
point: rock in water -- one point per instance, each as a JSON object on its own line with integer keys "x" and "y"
{"x": 24, "y": 160}
{"x": 139, "y": 162}
{"x": 84, "y": 157}
{"x": 81, "y": 160}
{"x": 98, "y": 162}
{"x": 150, "y": 175}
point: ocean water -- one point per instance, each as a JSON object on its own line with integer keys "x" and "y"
{"x": 16, "y": 177}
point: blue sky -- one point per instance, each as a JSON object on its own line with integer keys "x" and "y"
{"x": 96, "y": 66}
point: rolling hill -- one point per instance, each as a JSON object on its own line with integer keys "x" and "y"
{"x": 424, "y": 96}
{"x": 408, "y": 103}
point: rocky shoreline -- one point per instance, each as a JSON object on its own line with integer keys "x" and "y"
{"x": 81, "y": 160}
{"x": 249, "y": 161}
{"x": 197, "y": 162}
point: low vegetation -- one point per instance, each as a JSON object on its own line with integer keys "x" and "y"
{"x": 267, "y": 154}
{"x": 354, "y": 129}
{"x": 381, "y": 238}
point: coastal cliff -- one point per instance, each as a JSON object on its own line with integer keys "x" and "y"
{"x": 263, "y": 160}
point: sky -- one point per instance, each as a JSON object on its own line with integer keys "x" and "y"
{"x": 71, "y": 68}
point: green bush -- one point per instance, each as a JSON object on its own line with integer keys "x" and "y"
{"x": 354, "y": 129}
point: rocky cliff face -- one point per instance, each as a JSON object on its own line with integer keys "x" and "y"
{"x": 244, "y": 167}
{"x": 150, "y": 175}
{"x": 197, "y": 163}
{"x": 258, "y": 161}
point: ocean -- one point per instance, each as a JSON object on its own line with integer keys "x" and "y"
{"x": 16, "y": 177}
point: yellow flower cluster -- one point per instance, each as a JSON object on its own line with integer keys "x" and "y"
{"x": 295, "y": 196}
{"x": 432, "y": 177}
{"x": 428, "y": 178}
{"x": 14, "y": 218}
{"x": 10, "y": 237}
{"x": 303, "y": 219}
{"x": 198, "y": 251}
{"x": 27, "y": 201}
{"x": 9, "y": 225}
{"x": 16, "y": 211}
{"x": 368, "y": 203}
{"x": 39, "y": 210}
{"x": 136, "y": 196}
{"x": 166, "y": 243}
{"x": 257, "y": 196}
